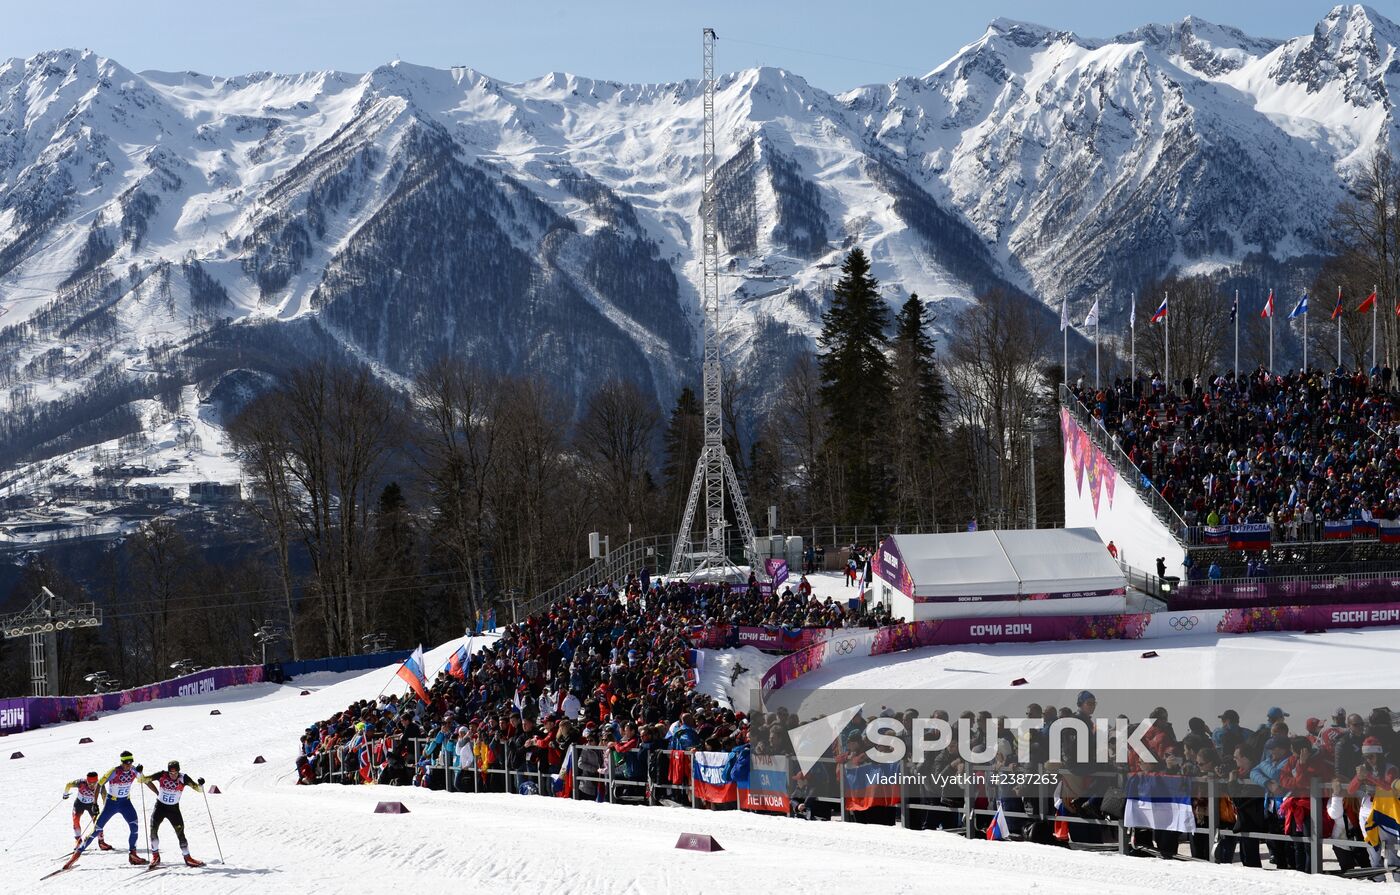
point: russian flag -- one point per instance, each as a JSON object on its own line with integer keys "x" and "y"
{"x": 1253, "y": 536}
{"x": 1336, "y": 530}
{"x": 412, "y": 672}
{"x": 711, "y": 783}
{"x": 1159, "y": 802}
{"x": 1217, "y": 534}
{"x": 1161, "y": 311}
{"x": 767, "y": 786}
{"x": 1364, "y": 528}
{"x": 998, "y": 829}
{"x": 459, "y": 664}
{"x": 864, "y": 789}
{"x": 564, "y": 780}
{"x": 1388, "y": 530}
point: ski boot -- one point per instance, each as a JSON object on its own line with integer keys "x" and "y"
{"x": 73, "y": 860}
{"x": 102, "y": 844}
{"x": 192, "y": 862}
{"x": 155, "y": 859}
{"x": 134, "y": 858}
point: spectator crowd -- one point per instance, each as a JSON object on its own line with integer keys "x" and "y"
{"x": 1292, "y": 450}
{"x": 612, "y": 669}
{"x": 606, "y": 666}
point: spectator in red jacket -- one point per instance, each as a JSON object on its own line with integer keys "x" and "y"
{"x": 1297, "y": 777}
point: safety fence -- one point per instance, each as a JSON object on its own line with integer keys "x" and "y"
{"x": 29, "y": 712}
{"x": 966, "y": 803}
{"x": 283, "y": 671}
{"x": 1378, "y": 586}
{"x": 856, "y": 643}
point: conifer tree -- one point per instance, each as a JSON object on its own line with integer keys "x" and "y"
{"x": 916, "y": 415}
{"x": 681, "y": 444}
{"x": 855, "y": 374}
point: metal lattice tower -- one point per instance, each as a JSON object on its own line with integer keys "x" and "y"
{"x": 714, "y": 471}
{"x": 40, "y": 622}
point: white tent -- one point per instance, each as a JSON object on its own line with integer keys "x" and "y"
{"x": 994, "y": 573}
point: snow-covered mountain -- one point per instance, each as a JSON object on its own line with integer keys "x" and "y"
{"x": 160, "y": 230}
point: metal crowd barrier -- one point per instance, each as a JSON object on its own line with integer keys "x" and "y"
{"x": 960, "y": 815}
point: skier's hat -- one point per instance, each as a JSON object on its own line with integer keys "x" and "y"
{"x": 173, "y": 764}
{"x": 127, "y": 756}
{"x": 92, "y": 775}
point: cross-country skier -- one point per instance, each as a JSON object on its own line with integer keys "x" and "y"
{"x": 168, "y": 786}
{"x": 118, "y": 781}
{"x": 88, "y": 790}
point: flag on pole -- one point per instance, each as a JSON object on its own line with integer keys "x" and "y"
{"x": 1064, "y": 314}
{"x": 1365, "y": 305}
{"x": 1235, "y": 307}
{"x": 459, "y": 664}
{"x": 1132, "y": 313}
{"x": 1337, "y": 311}
{"x": 562, "y": 783}
{"x": 412, "y": 672}
{"x": 1301, "y": 309}
{"x": 1161, "y": 312}
{"x": 1093, "y": 318}
{"x": 1268, "y": 310}
{"x": 998, "y": 829}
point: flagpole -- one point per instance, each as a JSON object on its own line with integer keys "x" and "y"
{"x": 1305, "y": 332}
{"x": 1339, "y": 327}
{"x": 1064, "y": 331}
{"x": 1096, "y": 348}
{"x": 1167, "y": 342}
{"x": 1271, "y": 334}
{"x": 1373, "y": 329}
{"x": 1236, "y": 315}
{"x": 1132, "y": 344}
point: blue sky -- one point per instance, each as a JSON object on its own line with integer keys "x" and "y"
{"x": 835, "y": 45}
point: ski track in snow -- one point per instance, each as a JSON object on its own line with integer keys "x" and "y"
{"x": 281, "y": 838}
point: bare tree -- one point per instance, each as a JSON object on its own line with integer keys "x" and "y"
{"x": 802, "y": 424}
{"x": 996, "y": 354}
{"x": 617, "y": 438}
{"x": 161, "y": 567}
{"x": 540, "y": 502}
{"x": 333, "y": 429}
{"x": 459, "y": 408}
{"x": 1366, "y": 246}
{"x": 260, "y": 441}
{"x": 1199, "y": 317}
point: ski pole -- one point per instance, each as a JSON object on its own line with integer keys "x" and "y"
{"x": 211, "y": 825}
{"x": 35, "y": 824}
{"x": 144, "y": 824}
{"x": 87, "y": 828}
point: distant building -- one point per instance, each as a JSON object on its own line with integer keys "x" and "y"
{"x": 215, "y": 492}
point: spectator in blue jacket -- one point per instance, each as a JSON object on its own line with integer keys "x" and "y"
{"x": 1266, "y": 774}
{"x": 1229, "y": 734}
{"x": 683, "y": 735}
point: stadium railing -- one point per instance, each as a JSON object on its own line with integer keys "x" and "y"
{"x": 1127, "y": 469}
{"x": 953, "y": 810}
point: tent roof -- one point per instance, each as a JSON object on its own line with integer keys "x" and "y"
{"x": 993, "y": 563}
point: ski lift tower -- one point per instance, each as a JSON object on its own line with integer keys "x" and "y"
{"x": 40, "y": 622}
{"x": 714, "y": 471}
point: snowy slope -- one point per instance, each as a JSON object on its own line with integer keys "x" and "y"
{"x": 158, "y": 230}
{"x": 280, "y": 838}
{"x": 1205, "y": 662}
